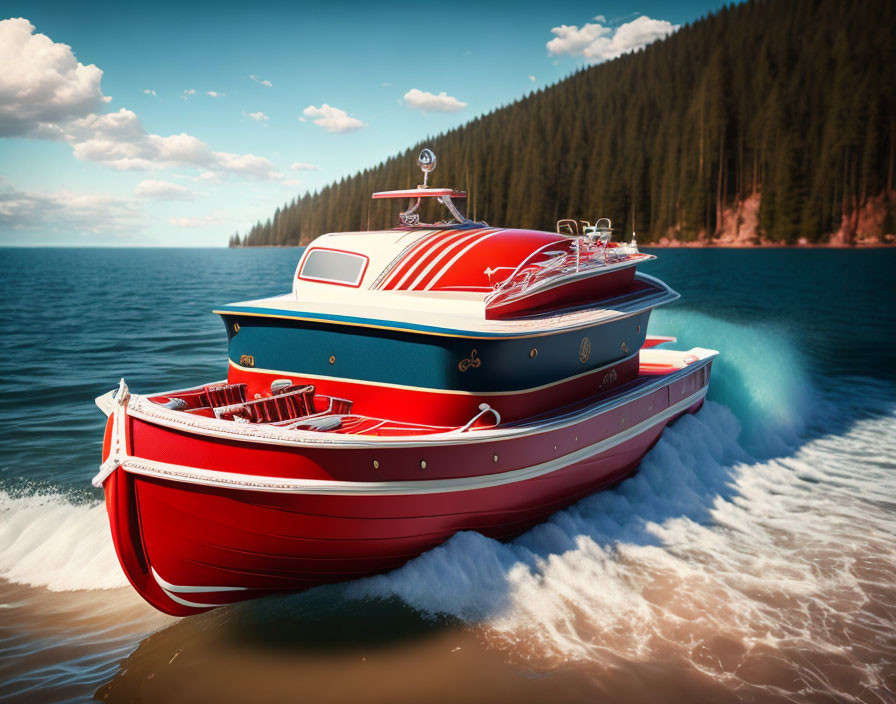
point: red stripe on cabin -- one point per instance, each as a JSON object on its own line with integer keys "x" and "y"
{"x": 408, "y": 259}
{"x": 436, "y": 275}
{"x": 433, "y": 254}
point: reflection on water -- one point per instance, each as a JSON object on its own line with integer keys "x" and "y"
{"x": 330, "y": 649}
{"x": 752, "y": 555}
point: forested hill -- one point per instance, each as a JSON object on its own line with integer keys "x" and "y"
{"x": 787, "y": 107}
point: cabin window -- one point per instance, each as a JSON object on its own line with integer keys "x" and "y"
{"x": 333, "y": 267}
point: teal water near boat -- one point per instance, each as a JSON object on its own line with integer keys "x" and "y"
{"x": 751, "y": 554}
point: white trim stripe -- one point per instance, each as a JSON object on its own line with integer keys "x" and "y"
{"x": 248, "y": 482}
{"x": 435, "y": 279}
{"x": 410, "y": 253}
{"x": 421, "y": 254}
{"x": 194, "y": 604}
{"x": 446, "y": 250}
{"x": 169, "y": 587}
{"x": 398, "y": 258}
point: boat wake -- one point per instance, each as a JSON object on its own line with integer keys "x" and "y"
{"x": 754, "y": 545}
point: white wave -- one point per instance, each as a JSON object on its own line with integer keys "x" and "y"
{"x": 707, "y": 554}
{"x": 47, "y": 541}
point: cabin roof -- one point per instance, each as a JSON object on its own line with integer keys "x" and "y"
{"x": 421, "y": 259}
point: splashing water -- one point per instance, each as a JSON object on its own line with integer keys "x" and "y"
{"x": 737, "y": 551}
{"x": 47, "y": 541}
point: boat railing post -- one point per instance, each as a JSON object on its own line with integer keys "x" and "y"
{"x": 483, "y": 409}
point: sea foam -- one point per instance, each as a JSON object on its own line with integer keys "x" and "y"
{"x": 705, "y": 550}
{"x": 756, "y": 534}
{"x": 48, "y": 541}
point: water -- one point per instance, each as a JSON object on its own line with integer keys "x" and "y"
{"x": 752, "y": 558}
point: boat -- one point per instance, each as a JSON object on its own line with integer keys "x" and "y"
{"x": 415, "y": 382}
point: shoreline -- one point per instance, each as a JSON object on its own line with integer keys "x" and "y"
{"x": 679, "y": 245}
{"x": 712, "y": 245}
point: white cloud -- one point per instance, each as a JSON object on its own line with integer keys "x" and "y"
{"x": 46, "y": 94}
{"x": 428, "y": 102}
{"x": 162, "y": 190}
{"x": 209, "y": 176}
{"x": 41, "y": 81}
{"x": 194, "y": 222}
{"x": 332, "y": 119}
{"x": 532, "y": 78}
{"x": 67, "y": 211}
{"x": 259, "y": 116}
{"x": 597, "y": 42}
{"x": 386, "y": 84}
{"x": 302, "y": 166}
{"x": 258, "y": 80}
{"x": 187, "y": 93}
{"x": 150, "y": 91}
{"x": 600, "y": 18}
{"x": 118, "y": 140}
{"x": 215, "y": 94}
{"x": 572, "y": 40}
{"x": 247, "y": 165}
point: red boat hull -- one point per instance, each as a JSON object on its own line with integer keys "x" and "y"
{"x": 229, "y": 532}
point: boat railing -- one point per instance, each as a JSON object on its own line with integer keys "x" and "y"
{"x": 483, "y": 409}
{"x": 584, "y": 254}
{"x": 572, "y": 228}
{"x": 556, "y": 257}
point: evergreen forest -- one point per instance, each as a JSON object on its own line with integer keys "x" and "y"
{"x": 790, "y": 102}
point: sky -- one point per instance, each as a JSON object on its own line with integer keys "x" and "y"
{"x": 162, "y": 124}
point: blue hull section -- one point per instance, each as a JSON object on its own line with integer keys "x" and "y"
{"x": 383, "y": 356}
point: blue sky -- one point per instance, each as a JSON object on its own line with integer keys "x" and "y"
{"x": 199, "y": 119}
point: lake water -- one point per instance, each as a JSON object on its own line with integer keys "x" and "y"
{"x": 752, "y": 558}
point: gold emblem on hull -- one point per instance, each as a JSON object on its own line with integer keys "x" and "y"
{"x": 609, "y": 378}
{"x": 584, "y": 350}
{"x": 247, "y": 360}
{"x": 471, "y": 361}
